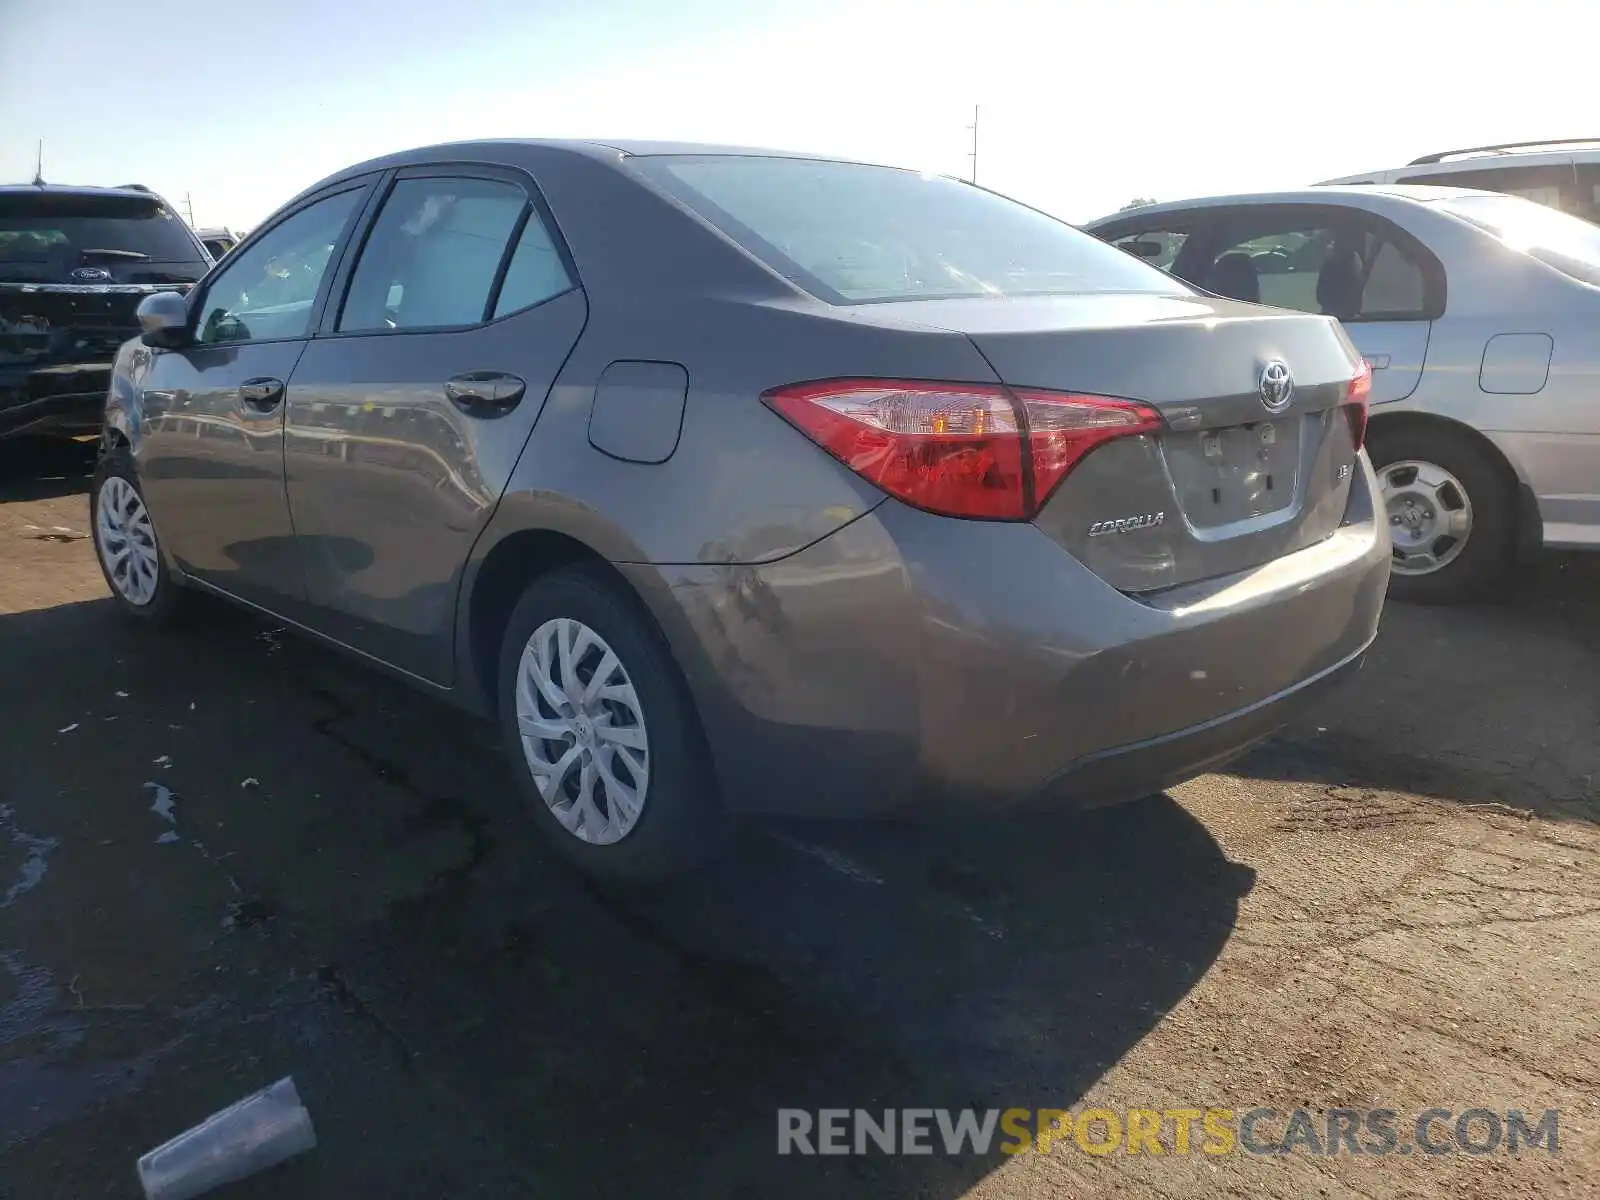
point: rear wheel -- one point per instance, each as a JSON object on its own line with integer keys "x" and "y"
{"x": 602, "y": 734}
{"x": 1451, "y": 514}
{"x": 125, "y": 542}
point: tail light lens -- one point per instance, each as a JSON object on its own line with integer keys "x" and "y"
{"x": 1356, "y": 398}
{"x": 962, "y": 450}
{"x": 1063, "y": 428}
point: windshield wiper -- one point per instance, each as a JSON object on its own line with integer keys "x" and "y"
{"x": 117, "y": 255}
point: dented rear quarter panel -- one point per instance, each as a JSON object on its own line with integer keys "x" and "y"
{"x": 124, "y": 412}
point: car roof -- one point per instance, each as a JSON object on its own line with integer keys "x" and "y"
{"x": 592, "y": 148}
{"x": 507, "y": 149}
{"x": 588, "y": 147}
{"x": 1364, "y": 192}
{"x": 1502, "y": 155}
{"x": 642, "y": 148}
{"x": 74, "y": 189}
{"x": 1499, "y": 149}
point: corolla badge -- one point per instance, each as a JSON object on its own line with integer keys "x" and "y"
{"x": 1126, "y": 524}
{"x": 90, "y": 275}
{"x": 1276, "y": 386}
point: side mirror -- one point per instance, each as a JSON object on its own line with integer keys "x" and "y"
{"x": 1144, "y": 248}
{"x": 164, "y": 320}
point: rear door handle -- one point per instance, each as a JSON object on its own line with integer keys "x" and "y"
{"x": 1377, "y": 361}
{"x": 261, "y": 395}
{"x": 485, "y": 393}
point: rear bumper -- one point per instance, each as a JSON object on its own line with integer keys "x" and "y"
{"x": 67, "y": 399}
{"x": 913, "y": 661}
{"x": 1128, "y": 772}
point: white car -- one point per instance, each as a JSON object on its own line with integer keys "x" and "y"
{"x": 1477, "y": 312}
{"x": 217, "y": 240}
{"x": 1561, "y": 174}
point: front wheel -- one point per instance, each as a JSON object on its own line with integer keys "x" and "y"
{"x": 125, "y": 542}
{"x": 1451, "y": 514}
{"x": 602, "y": 733}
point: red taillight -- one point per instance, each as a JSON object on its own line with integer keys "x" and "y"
{"x": 1063, "y": 428}
{"x": 960, "y": 449}
{"x": 1356, "y": 397}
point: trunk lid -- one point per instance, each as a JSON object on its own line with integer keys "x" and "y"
{"x": 1229, "y": 483}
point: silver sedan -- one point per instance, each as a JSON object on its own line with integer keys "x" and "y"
{"x": 1476, "y": 312}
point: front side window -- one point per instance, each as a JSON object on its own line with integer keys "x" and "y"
{"x": 267, "y": 290}
{"x": 1567, "y": 243}
{"x": 1338, "y": 268}
{"x": 434, "y": 255}
{"x": 849, "y": 233}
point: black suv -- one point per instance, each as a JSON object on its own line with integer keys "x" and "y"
{"x": 74, "y": 264}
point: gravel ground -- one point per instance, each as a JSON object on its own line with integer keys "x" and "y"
{"x": 1396, "y": 905}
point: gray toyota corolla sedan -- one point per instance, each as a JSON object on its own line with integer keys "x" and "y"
{"x": 734, "y": 481}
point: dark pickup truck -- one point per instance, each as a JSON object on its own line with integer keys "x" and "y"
{"x": 74, "y": 264}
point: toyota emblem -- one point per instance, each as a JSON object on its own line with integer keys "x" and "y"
{"x": 1276, "y": 386}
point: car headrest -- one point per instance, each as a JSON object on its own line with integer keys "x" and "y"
{"x": 1234, "y": 275}
{"x": 1339, "y": 285}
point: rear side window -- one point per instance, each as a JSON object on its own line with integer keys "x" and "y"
{"x": 434, "y": 255}
{"x": 53, "y": 234}
{"x": 1394, "y": 283}
{"x": 849, "y": 233}
{"x": 1588, "y": 206}
{"x": 1548, "y": 185}
{"x": 536, "y": 271}
{"x": 1338, "y": 265}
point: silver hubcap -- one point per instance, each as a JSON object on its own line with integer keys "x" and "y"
{"x": 126, "y": 541}
{"x": 583, "y": 731}
{"x": 1430, "y": 516}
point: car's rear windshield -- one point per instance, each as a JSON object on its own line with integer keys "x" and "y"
{"x": 1569, "y": 244}
{"x": 849, "y": 233}
{"x": 49, "y": 228}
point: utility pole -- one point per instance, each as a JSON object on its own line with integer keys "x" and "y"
{"x": 974, "y": 154}
{"x": 188, "y": 207}
{"x": 38, "y": 171}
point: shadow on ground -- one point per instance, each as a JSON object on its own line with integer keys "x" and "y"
{"x": 1445, "y": 706}
{"x": 44, "y": 468}
{"x": 356, "y": 894}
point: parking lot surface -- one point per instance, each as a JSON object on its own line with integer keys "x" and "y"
{"x": 227, "y": 855}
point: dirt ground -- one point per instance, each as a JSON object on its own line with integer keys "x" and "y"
{"x": 227, "y": 856}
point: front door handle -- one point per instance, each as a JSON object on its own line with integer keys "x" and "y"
{"x": 261, "y": 395}
{"x": 485, "y": 393}
{"x": 1377, "y": 361}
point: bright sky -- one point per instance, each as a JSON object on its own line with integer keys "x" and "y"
{"x": 241, "y": 106}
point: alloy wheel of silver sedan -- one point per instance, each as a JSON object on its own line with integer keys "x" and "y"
{"x": 583, "y": 731}
{"x": 126, "y": 541}
{"x": 1430, "y": 515}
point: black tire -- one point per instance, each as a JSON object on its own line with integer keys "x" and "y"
{"x": 168, "y": 599}
{"x": 1485, "y": 561}
{"x": 681, "y": 821}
